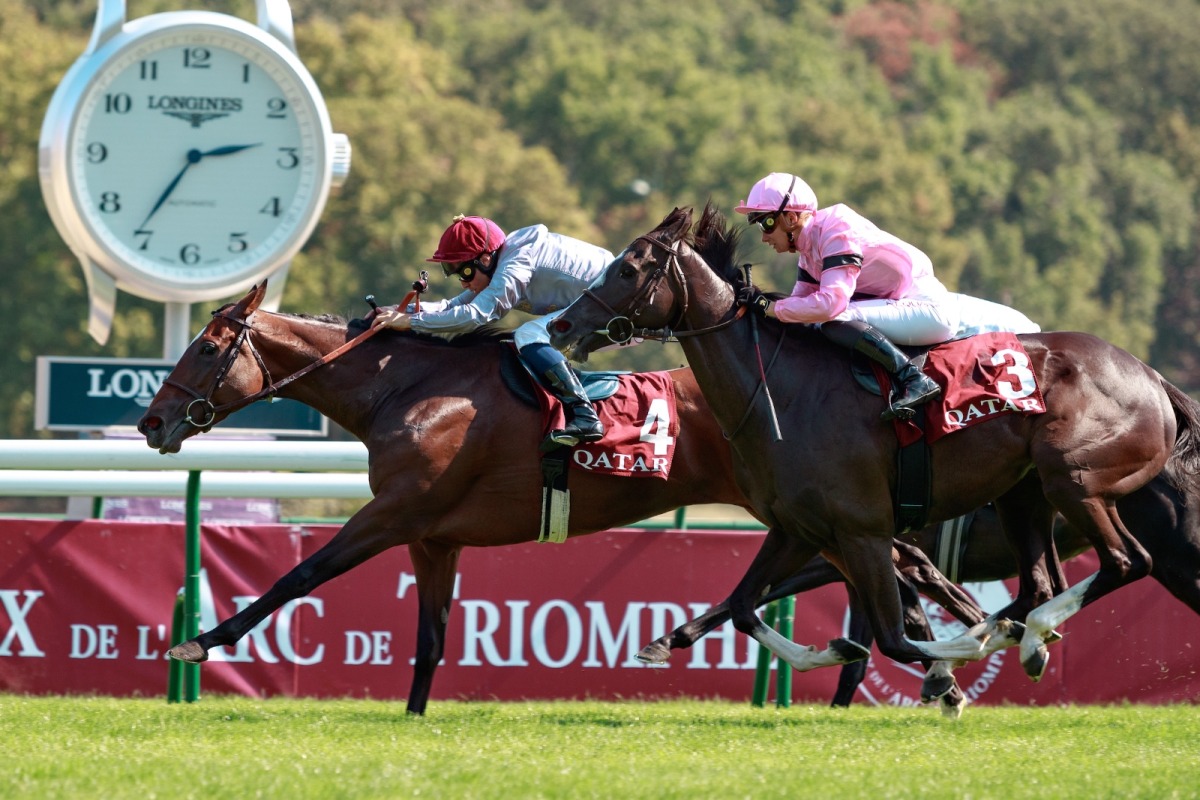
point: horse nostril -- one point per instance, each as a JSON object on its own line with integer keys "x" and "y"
{"x": 561, "y": 326}
{"x": 149, "y": 424}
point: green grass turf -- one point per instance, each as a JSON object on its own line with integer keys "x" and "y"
{"x": 235, "y": 747}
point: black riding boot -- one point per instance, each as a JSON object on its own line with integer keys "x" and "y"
{"x": 582, "y": 423}
{"x": 911, "y": 386}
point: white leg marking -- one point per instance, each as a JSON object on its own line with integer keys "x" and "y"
{"x": 801, "y": 657}
{"x": 1055, "y": 612}
{"x": 961, "y": 648}
{"x": 1042, "y": 621}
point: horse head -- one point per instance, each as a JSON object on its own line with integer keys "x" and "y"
{"x": 661, "y": 285}
{"x": 210, "y": 381}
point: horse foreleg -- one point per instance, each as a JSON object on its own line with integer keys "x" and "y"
{"x": 435, "y": 566}
{"x": 869, "y": 565}
{"x": 816, "y": 573}
{"x": 359, "y": 539}
{"x": 779, "y": 556}
{"x": 851, "y": 675}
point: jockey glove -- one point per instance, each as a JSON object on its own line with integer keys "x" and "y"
{"x": 756, "y": 300}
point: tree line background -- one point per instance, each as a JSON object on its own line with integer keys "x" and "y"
{"x": 1046, "y": 155}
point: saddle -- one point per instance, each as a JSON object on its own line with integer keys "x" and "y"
{"x": 519, "y": 378}
{"x": 863, "y": 368}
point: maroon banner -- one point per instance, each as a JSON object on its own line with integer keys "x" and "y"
{"x": 85, "y": 606}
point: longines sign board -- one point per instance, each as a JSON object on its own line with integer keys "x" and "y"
{"x": 89, "y": 394}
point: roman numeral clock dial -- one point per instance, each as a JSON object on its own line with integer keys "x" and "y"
{"x": 188, "y": 155}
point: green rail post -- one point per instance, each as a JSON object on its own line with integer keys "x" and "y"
{"x": 175, "y": 668}
{"x": 783, "y": 670}
{"x": 681, "y": 517}
{"x": 191, "y": 583}
{"x": 762, "y": 672}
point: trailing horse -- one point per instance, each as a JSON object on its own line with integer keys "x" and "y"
{"x": 1110, "y": 424}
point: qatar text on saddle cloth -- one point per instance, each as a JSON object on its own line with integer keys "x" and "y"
{"x": 640, "y": 428}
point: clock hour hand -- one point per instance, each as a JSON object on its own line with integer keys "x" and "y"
{"x": 193, "y": 157}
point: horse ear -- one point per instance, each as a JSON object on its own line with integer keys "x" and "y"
{"x": 676, "y": 223}
{"x": 254, "y": 297}
{"x": 679, "y": 222}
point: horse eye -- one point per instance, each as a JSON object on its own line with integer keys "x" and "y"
{"x": 628, "y": 272}
{"x": 208, "y": 348}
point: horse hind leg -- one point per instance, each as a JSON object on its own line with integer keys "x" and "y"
{"x": 1122, "y": 561}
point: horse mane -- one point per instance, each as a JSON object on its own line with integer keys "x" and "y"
{"x": 718, "y": 242}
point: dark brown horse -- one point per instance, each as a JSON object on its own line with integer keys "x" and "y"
{"x": 433, "y": 414}
{"x": 1111, "y": 424}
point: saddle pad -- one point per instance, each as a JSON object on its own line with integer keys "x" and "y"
{"x": 982, "y": 377}
{"x": 640, "y": 428}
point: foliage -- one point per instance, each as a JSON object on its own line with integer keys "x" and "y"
{"x": 1045, "y": 155}
{"x": 242, "y": 747}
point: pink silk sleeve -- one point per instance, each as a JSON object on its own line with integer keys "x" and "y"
{"x": 819, "y": 304}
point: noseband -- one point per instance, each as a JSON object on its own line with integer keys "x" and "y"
{"x": 621, "y": 329}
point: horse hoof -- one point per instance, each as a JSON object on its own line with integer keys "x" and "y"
{"x": 189, "y": 652}
{"x": 953, "y": 705}
{"x": 654, "y": 654}
{"x": 848, "y": 651}
{"x": 937, "y": 687}
{"x": 1053, "y": 636}
{"x": 1034, "y": 663}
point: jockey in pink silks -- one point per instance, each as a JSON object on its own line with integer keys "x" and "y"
{"x": 864, "y": 287}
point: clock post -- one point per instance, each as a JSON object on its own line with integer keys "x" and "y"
{"x": 184, "y": 157}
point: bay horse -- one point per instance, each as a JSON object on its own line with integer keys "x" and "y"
{"x": 448, "y": 445}
{"x": 1110, "y": 425}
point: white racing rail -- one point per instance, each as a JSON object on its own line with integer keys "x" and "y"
{"x": 32, "y": 467}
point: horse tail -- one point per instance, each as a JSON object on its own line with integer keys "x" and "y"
{"x": 1184, "y": 464}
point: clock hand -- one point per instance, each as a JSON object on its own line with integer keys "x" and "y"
{"x": 193, "y": 157}
{"x": 226, "y": 150}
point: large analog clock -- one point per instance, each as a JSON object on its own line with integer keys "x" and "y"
{"x": 188, "y": 155}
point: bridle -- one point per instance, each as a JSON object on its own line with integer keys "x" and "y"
{"x": 203, "y": 402}
{"x": 621, "y": 328}
{"x": 625, "y": 329}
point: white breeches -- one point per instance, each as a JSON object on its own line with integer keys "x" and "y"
{"x": 918, "y": 321}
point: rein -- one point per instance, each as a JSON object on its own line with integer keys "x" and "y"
{"x": 204, "y": 401}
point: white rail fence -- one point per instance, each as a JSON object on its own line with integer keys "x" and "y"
{"x": 94, "y": 468}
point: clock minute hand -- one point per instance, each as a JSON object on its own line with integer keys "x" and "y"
{"x": 193, "y": 157}
{"x": 228, "y": 149}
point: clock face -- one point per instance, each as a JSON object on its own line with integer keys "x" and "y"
{"x": 197, "y": 159}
